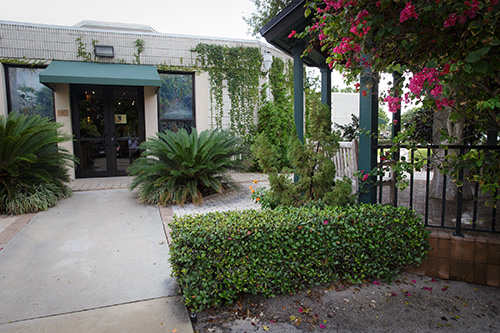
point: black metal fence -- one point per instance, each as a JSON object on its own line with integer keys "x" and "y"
{"x": 436, "y": 196}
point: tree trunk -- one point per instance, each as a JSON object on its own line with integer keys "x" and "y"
{"x": 455, "y": 129}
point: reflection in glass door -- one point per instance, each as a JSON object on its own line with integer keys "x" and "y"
{"x": 108, "y": 125}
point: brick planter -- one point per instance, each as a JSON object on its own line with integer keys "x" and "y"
{"x": 474, "y": 258}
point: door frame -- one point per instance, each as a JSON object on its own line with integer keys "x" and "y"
{"x": 109, "y": 137}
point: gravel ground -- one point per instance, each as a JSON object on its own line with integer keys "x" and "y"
{"x": 412, "y": 303}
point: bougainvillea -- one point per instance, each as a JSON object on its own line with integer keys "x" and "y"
{"x": 451, "y": 48}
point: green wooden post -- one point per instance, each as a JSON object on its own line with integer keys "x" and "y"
{"x": 368, "y": 123}
{"x": 298, "y": 89}
{"x": 326, "y": 87}
{"x": 396, "y": 117}
{"x": 396, "y": 128}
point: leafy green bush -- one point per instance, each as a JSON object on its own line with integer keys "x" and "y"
{"x": 313, "y": 166}
{"x": 33, "y": 171}
{"x": 276, "y": 124}
{"x": 175, "y": 167}
{"x": 218, "y": 255}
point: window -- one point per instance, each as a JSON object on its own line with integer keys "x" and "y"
{"x": 26, "y": 95}
{"x": 176, "y": 107}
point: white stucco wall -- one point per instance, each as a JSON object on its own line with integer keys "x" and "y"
{"x": 202, "y": 101}
{"x": 62, "y": 104}
{"x": 150, "y": 111}
{"x": 3, "y": 92}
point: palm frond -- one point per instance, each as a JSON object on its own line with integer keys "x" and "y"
{"x": 176, "y": 167}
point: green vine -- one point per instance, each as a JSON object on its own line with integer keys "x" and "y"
{"x": 24, "y": 61}
{"x": 239, "y": 69}
{"x": 139, "y": 44}
{"x": 82, "y": 50}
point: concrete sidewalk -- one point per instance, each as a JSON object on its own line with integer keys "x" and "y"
{"x": 95, "y": 263}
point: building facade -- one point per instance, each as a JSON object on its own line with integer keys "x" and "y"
{"x": 110, "y": 85}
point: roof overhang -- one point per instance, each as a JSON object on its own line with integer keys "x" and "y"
{"x": 292, "y": 17}
{"x": 73, "y": 72}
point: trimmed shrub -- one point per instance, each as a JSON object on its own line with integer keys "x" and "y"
{"x": 175, "y": 167}
{"x": 33, "y": 170}
{"x": 218, "y": 255}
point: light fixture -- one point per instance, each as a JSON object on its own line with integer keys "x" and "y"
{"x": 268, "y": 60}
{"x": 104, "y": 51}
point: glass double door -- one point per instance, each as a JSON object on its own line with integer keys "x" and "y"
{"x": 108, "y": 125}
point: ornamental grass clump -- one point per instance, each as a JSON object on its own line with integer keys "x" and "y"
{"x": 176, "y": 167}
{"x": 215, "y": 256}
{"x": 33, "y": 170}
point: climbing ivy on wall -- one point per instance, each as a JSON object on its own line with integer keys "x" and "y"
{"x": 238, "y": 70}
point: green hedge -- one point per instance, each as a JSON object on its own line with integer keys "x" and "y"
{"x": 218, "y": 255}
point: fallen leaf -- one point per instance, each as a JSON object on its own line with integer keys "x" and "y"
{"x": 265, "y": 328}
{"x": 174, "y": 330}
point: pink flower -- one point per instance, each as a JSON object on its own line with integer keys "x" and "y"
{"x": 301, "y": 310}
{"x": 325, "y": 222}
{"x": 438, "y": 90}
{"x": 394, "y": 294}
{"x": 408, "y": 13}
{"x": 427, "y": 288}
{"x": 413, "y": 281}
{"x": 394, "y": 103}
{"x": 292, "y": 34}
{"x": 450, "y": 21}
{"x": 322, "y": 326}
{"x": 444, "y": 102}
{"x": 365, "y": 178}
{"x": 462, "y": 19}
{"x": 433, "y": 280}
{"x": 375, "y": 282}
{"x": 363, "y": 93}
{"x": 395, "y": 121}
{"x": 444, "y": 288}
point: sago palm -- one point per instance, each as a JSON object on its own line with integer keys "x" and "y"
{"x": 175, "y": 167}
{"x": 33, "y": 170}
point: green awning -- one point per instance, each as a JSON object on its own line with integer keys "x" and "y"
{"x": 99, "y": 73}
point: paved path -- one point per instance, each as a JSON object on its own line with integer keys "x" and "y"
{"x": 95, "y": 263}
{"x": 230, "y": 200}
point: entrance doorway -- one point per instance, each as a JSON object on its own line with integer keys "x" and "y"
{"x": 108, "y": 125}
